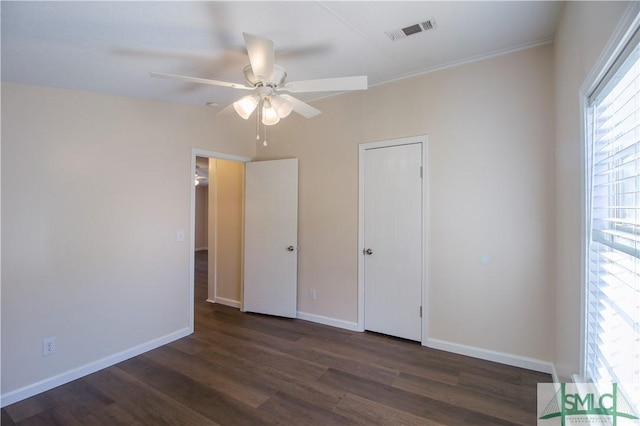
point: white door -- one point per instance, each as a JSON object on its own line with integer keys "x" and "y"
{"x": 393, "y": 240}
{"x": 271, "y": 237}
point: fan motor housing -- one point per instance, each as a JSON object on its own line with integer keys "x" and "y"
{"x": 279, "y": 76}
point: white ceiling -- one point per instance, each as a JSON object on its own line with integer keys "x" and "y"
{"x": 111, "y": 47}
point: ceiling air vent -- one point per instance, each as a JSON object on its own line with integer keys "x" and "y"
{"x": 410, "y": 30}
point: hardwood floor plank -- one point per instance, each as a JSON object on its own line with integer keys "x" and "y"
{"x": 83, "y": 399}
{"x": 145, "y": 403}
{"x": 242, "y": 387}
{"x": 493, "y": 387}
{"x": 416, "y": 404}
{"x": 530, "y": 379}
{"x": 339, "y": 362}
{"x": 293, "y": 411}
{"x": 494, "y": 370}
{"x": 301, "y": 350}
{"x": 32, "y": 406}
{"x": 290, "y": 329}
{"x": 477, "y": 401}
{"x": 58, "y": 415}
{"x": 267, "y": 356}
{"x": 5, "y": 418}
{"x": 418, "y": 361}
{"x": 312, "y": 391}
{"x": 113, "y": 415}
{"x": 243, "y": 333}
{"x": 366, "y": 412}
{"x": 189, "y": 345}
{"x": 208, "y": 402}
{"x": 272, "y": 326}
{"x": 79, "y": 398}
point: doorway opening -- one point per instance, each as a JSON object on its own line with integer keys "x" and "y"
{"x": 201, "y": 223}
{"x": 216, "y": 229}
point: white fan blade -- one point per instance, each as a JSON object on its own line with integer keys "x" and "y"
{"x": 201, "y": 80}
{"x": 327, "y": 84}
{"x": 228, "y": 110}
{"x": 261, "y": 56}
{"x": 301, "y": 108}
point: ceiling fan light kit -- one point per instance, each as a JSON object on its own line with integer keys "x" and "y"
{"x": 266, "y": 78}
{"x": 246, "y": 105}
{"x": 269, "y": 114}
{"x": 283, "y": 107}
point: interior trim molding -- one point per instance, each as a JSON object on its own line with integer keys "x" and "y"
{"x": 489, "y": 355}
{"x": 333, "y": 322}
{"x": 76, "y": 373}
{"x": 226, "y": 302}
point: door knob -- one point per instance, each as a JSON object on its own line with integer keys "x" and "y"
{"x": 291, "y": 248}
{"x": 368, "y": 251}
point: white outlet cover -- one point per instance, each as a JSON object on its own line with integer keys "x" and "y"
{"x": 49, "y": 346}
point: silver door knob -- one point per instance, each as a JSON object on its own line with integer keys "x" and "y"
{"x": 368, "y": 251}
{"x": 291, "y": 248}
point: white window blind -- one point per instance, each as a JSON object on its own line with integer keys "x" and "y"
{"x": 613, "y": 227}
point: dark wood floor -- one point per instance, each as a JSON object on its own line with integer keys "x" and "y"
{"x": 246, "y": 369}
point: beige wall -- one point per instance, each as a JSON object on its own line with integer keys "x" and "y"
{"x": 583, "y": 32}
{"x": 94, "y": 189}
{"x": 226, "y": 195}
{"x": 202, "y": 217}
{"x": 491, "y": 192}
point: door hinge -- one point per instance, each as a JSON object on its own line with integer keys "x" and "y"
{"x": 420, "y": 311}
{"x": 420, "y": 172}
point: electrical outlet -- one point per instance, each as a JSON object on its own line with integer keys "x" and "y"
{"x": 49, "y": 346}
{"x": 312, "y": 293}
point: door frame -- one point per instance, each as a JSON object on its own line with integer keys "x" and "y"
{"x": 196, "y": 152}
{"x": 423, "y": 140}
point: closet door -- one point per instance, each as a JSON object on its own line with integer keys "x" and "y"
{"x": 393, "y": 240}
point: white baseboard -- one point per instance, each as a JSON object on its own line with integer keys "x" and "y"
{"x": 201, "y": 248}
{"x": 71, "y": 375}
{"x": 348, "y": 325}
{"x": 554, "y": 374}
{"x": 226, "y": 302}
{"x": 501, "y": 357}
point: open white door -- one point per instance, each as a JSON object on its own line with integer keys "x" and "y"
{"x": 271, "y": 237}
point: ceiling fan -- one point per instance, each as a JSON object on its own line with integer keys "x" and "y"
{"x": 266, "y": 80}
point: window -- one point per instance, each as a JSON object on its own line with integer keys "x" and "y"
{"x": 612, "y": 353}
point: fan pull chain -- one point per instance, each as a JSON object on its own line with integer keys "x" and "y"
{"x": 264, "y": 143}
{"x": 258, "y": 121}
